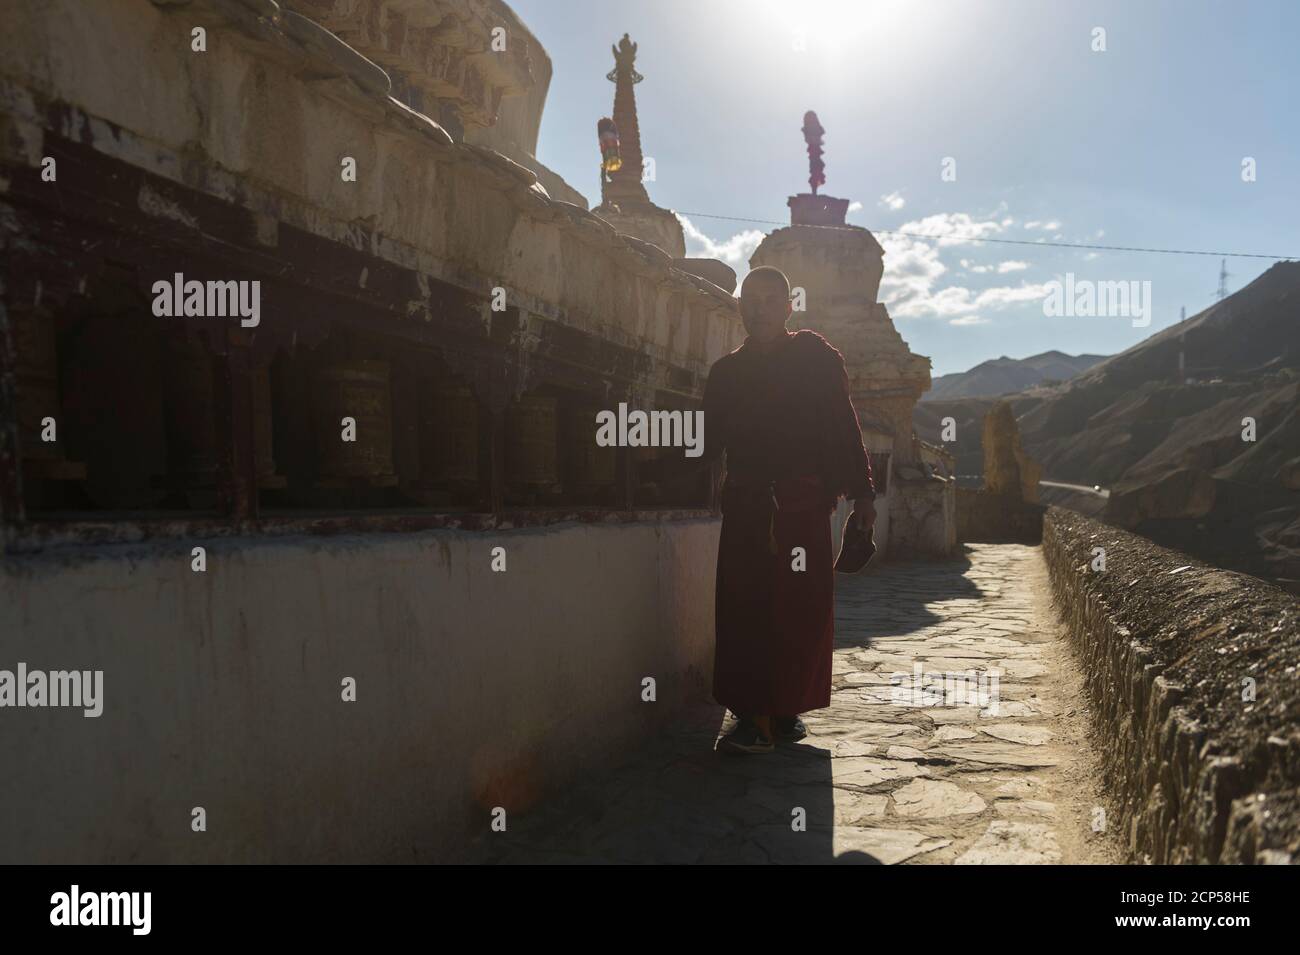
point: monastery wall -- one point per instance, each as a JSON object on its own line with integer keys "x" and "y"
{"x": 377, "y": 299}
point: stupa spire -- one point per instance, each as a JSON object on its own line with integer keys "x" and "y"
{"x": 625, "y": 183}
{"x": 625, "y": 203}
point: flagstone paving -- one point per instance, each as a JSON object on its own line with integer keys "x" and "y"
{"x": 895, "y": 770}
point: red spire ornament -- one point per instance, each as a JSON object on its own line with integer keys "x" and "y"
{"x": 808, "y": 208}
{"x": 812, "y": 135}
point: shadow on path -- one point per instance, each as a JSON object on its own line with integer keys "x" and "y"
{"x": 675, "y": 800}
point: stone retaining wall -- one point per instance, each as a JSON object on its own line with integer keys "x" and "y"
{"x": 985, "y": 517}
{"x": 1192, "y": 674}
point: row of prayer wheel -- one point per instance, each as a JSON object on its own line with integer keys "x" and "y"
{"x": 541, "y": 431}
{"x": 549, "y": 442}
{"x": 183, "y": 429}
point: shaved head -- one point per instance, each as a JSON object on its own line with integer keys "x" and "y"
{"x": 765, "y": 274}
{"x": 765, "y": 303}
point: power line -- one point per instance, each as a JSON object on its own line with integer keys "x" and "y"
{"x": 1033, "y": 242}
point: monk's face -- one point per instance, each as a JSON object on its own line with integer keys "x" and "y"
{"x": 764, "y": 306}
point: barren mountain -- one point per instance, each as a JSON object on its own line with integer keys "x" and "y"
{"x": 1195, "y": 431}
{"x": 1003, "y": 376}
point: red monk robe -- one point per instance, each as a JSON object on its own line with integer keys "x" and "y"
{"x": 793, "y": 445}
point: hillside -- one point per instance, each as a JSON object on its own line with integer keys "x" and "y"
{"x": 1003, "y": 376}
{"x": 1161, "y": 426}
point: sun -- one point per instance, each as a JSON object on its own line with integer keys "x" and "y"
{"x": 841, "y": 25}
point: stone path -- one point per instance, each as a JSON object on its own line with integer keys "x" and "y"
{"x": 900, "y": 768}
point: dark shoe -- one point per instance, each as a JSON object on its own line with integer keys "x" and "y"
{"x": 745, "y": 738}
{"x": 788, "y": 729}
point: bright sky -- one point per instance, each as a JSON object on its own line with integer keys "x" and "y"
{"x": 1140, "y": 145}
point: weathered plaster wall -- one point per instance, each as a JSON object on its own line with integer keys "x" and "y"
{"x": 222, "y": 689}
{"x": 475, "y": 689}
{"x": 924, "y": 520}
{"x": 648, "y": 223}
{"x": 258, "y": 121}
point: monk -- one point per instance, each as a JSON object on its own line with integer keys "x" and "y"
{"x": 779, "y": 406}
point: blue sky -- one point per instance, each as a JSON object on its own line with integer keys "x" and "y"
{"x": 1140, "y": 145}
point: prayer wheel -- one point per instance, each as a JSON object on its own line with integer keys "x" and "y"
{"x": 190, "y": 409}
{"x": 115, "y": 390}
{"x": 593, "y": 468}
{"x": 263, "y": 450}
{"x": 37, "y": 399}
{"x": 38, "y": 382}
{"x": 531, "y": 443}
{"x": 450, "y": 440}
{"x": 190, "y": 413}
{"x": 360, "y": 390}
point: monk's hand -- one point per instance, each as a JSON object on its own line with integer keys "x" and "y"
{"x": 864, "y": 512}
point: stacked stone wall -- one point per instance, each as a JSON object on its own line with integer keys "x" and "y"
{"x": 1192, "y": 673}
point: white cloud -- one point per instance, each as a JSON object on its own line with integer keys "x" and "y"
{"x": 1050, "y": 226}
{"x": 957, "y": 301}
{"x": 855, "y": 206}
{"x": 953, "y": 228}
{"x": 735, "y": 251}
{"x": 1010, "y": 295}
{"x": 914, "y": 268}
{"x": 892, "y": 201}
{"x": 1002, "y": 268}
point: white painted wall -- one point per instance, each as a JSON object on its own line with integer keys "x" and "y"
{"x": 222, "y": 689}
